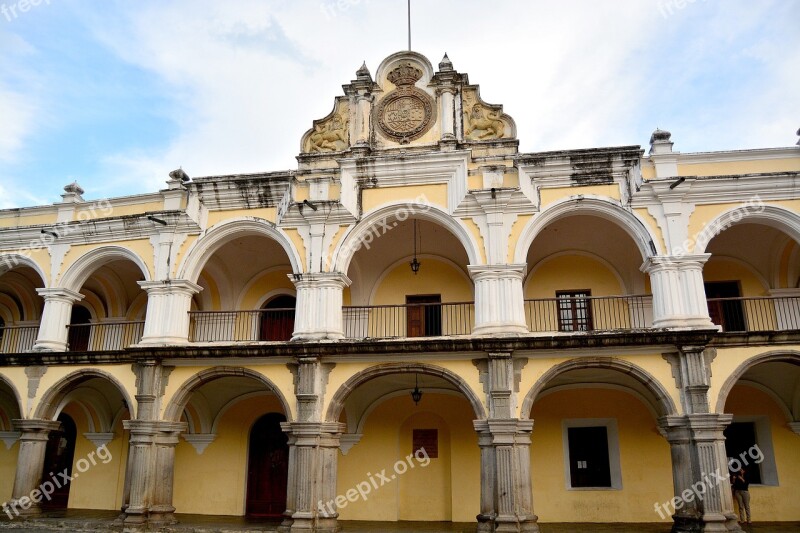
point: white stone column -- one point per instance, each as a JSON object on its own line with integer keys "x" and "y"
{"x": 168, "y": 305}
{"x": 319, "y": 305}
{"x": 30, "y": 463}
{"x": 499, "y": 302}
{"x": 363, "y": 114}
{"x": 447, "y": 112}
{"x": 679, "y": 297}
{"x": 55, "y": 318}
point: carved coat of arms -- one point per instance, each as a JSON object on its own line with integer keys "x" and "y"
{"x": 407, "y": 112}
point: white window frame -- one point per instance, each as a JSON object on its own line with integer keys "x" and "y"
{"x": 612, "y": 433}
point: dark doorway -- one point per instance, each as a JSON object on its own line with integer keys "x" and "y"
{"x": 588, "y": 457}
{"x": 423, "y": 317}
{"x": 268, "y": 467}
{"x": 79, "y": 329}
{"x": 277, "y": 319}
{"x": 740, "y": 438}
{"x": 57, "y": 458}
{"x": 726, "y": 313}
{"x": 574, "y": 310}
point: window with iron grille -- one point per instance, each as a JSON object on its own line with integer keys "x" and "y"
{"x": 574, "y": 310}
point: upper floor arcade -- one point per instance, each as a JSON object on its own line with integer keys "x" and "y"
{"x": 412, "y": 213}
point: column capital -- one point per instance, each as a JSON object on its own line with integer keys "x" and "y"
{"x": 153, "y": 428}
{"x": 484, "y": 272}
{"x": 320, "y": 279}
{"x": 505, "y": 430}
{"x": 34, "y": 426}
{"x": 60, "y": 295}
{"x": 668, "y": 262}
{"x": 170, "y": 286}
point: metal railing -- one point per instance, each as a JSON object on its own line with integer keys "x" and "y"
{"x": 241, "y": 326}
{"x": 17, "y": 339}
{"x": 408, "y": 320}
{"x": 589, "y": 313}
{"x": 107, "y": 336}
{"x": 765, "y": 313}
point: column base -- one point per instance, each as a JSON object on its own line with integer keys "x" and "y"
{"x": 318, "y": 336}
{"x": 516, "y": 524}
{"x": 686, "y": 323}
{"x": 311, "y": 525}
{"x": 500, "y": 329}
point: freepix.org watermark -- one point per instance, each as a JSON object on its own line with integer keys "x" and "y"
{"x": 363, "y": 489}
{"x": 15, "y": 9}
{"x": 56, "y": 481}
{"x": 99, "y": 209}
{"x": 700, "y": 489}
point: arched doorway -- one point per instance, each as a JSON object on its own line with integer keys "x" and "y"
{"x": 58, "y": 460}
{"x": 268, "y": 467}
{"x": 277, "y": 319}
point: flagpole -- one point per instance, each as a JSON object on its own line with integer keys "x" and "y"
{"x": 409, "y": 25}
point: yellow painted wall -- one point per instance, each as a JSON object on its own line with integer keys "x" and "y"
{"x": 723, "y": 269}
{"x": 8, "y": 470}
{"x": 704, "y": 215}
{"x": 644, "y": 460}
{"x": 516, "y": 231}
{"x": 771, "y": 503}
{"x": 266, "y": 213}
{"x": 102, "y": 484}
{"x": 215, "y": 483}
{"x": 435, "y": 195}
{"x": 739, "y": 167}
{"x": 267, "y": 282}
{"x": 141, "y": 247}
{"x": 447, "y": 489}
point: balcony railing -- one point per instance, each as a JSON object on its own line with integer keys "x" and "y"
{"x": 409, "y": 320}
{"x": 767, "y": 313}
{"x": 588, "y": 313}
{"x": 107, "y": 336}
{"x": 17, "y": 339}
{"x": 241, "y": 326}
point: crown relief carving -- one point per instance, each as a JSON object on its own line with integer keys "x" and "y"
{"x": 405, "y": 74}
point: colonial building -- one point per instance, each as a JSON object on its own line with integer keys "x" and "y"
{"x": 418, "y": 323}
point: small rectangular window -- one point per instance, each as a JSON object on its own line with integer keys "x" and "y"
{"x": 574, "y": 310}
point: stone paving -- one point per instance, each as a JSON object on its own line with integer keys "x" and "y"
{"x": 102, "y": 521}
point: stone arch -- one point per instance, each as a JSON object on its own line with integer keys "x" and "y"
{"x": 80, "y": 271}
{"x": 219, "y": 235}
{"x": 337, "y": 402}
{"x": 664, "y": 403}
{"x": 778, "y": 356}
{"x": 775, "y": 217}
{"x": 174, "y": 409}
{"x": 355, "y": 236}
{"x": 51, "y": 400}
{"x": 612, "y": 211}
{"x": 12, "y": 261}
{"x": 15, "y": 393}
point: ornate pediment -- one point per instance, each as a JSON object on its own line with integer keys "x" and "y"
{"x": 482, "y": 121}
{"x": 332, "y": 133}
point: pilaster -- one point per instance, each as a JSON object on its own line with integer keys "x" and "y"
{"x": 55, "y": 318}
{"x": 319, "y": 305}
{"x": 168, "y": 305}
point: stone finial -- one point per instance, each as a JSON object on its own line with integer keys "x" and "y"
{"x": 660, "y": 142}
{"x": 445, "y": 64}
{"x": 363, "y": 72}
{"x": 72, "y": 193}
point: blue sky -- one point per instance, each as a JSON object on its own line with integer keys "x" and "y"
{"x": 115, "y": 94}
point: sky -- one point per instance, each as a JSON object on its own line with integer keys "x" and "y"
{"x": 115, "y": 94}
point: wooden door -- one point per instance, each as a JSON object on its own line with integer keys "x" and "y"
{"x": 423, "y": 320}
{"x": 277, "y": 320}
{"x": 728, "y": 314}
{"x": 79, "y": 331}
{"x": 58, "y": 457}
{"x": 268, "y": 467}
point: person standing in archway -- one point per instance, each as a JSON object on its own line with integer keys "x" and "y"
{"x": 740, "y": 486}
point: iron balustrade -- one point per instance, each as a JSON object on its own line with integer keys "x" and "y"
{"x": 408, "y": 320}
{"x": 763, "y": 313}
{"x": 241, "y": 326}
{"x": 104, "y": 336}
{"x": 574, "y": 313}
{"x": 18, "y": 339}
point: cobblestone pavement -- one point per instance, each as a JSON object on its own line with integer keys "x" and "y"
{"x": 102, "y": 521}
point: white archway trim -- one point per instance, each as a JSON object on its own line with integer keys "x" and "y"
{"x": 77, "y": 274}
{"x": 773, "y": 216}
{"x": 623, "y": 287}
{"x": 588, "y": 205}
{"x": 12, "y": 261}
{"x": 386, "y": 214}
{"x": 220, "y": 234}
{"x": 264, "y": 298}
